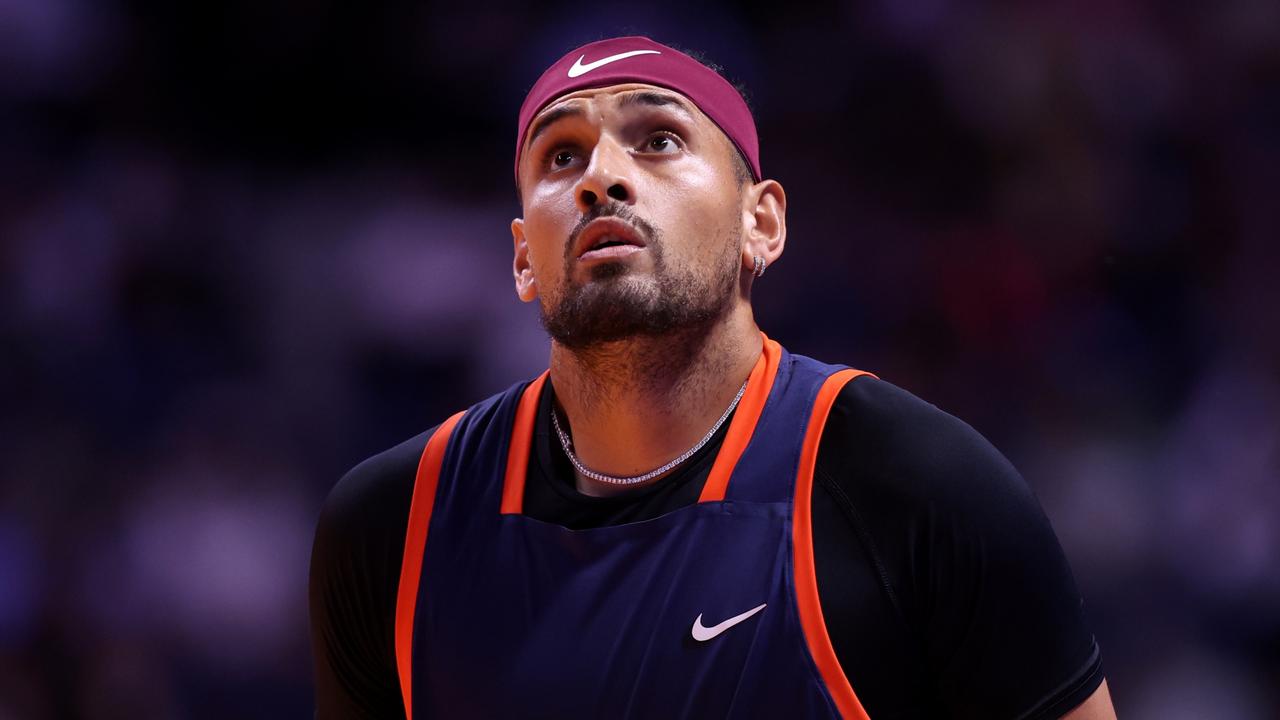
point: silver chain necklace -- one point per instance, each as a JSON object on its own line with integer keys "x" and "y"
{"x": 566, "y": 443}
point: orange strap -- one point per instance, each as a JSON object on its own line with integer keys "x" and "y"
{"x": 518, "y": 450}
{"x": 415, "y": 543}
{"x": 806, "y": 578}
{"x": 743, "y": 425}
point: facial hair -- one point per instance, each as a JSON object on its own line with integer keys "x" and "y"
{"x": 618, "y": 304}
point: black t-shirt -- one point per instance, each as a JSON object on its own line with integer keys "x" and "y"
{"x": 944, "y": 590}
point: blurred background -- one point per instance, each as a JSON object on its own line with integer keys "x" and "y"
{"x": 245, "y": 245}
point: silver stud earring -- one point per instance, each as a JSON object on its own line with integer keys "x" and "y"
{"x": 759, "y": 269}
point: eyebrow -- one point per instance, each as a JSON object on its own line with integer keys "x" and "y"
{"x": 541, "y": 124}
{"x": 650, "y": 99}
{"x": 654, "y": 99}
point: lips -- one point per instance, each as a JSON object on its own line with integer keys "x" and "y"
{"x": 607, "y": 237}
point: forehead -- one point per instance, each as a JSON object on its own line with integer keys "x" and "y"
{"x": 609, "y": 93}
{"x": 593, "y": 100}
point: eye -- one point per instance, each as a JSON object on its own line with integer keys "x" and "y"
{"x": 662, "y": 142}
{"x": 561, "y": 158}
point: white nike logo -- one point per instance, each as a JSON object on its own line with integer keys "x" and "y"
{"x": 703, "y": 634}
{"x": 580, "y": 69}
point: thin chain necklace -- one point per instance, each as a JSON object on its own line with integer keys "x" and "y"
{"x": 566, "y": 443}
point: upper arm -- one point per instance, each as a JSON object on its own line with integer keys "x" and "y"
{"x": 355, "y": 570}
{"x": 1006, "y": 631}
{"x": 973, "y": 559}
{"x": 1097, "y": 707}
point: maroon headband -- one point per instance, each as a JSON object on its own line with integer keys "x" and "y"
{"x": 639, "y": 59}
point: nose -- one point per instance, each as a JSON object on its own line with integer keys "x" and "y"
{"x": 608, "y": 175}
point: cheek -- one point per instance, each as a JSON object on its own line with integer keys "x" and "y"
{"x": 703, "y": 226}
{"x": 548, "y": 263}
{"x": 547, "y": 227}
{"x": 703, "y": 207}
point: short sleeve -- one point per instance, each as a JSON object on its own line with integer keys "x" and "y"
{"x": 355, "y": 571}
{"x": 967, "y": 553}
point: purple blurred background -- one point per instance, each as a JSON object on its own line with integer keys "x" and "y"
{"x": 245, "y": 246}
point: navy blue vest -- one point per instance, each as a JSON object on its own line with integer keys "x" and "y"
{"x": 504, "y": 616}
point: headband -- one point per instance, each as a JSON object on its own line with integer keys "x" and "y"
{"x": 639, "y": 59}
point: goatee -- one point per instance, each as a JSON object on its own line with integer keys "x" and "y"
{"x": 618, "y": 304}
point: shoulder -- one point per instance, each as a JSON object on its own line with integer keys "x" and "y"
{"x": 355, "y": 567}
{"x": 965, "y": 550}
{"x": 384, "y": 482}
{"x": 934, "y": 497}
{"x": 912, "y": 450}
{"x": 360, "y": 533}
{"x": 376, "y": 487}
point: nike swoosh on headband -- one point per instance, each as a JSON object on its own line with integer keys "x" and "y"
{"x": 702, "y": 633}
{"x": 580, "y": 69}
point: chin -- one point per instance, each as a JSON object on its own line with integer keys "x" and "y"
{"x": 609, "y": 271}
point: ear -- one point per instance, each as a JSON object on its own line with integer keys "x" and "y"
{"x": 526, "y": 284}
{"x": 764, "y": 221}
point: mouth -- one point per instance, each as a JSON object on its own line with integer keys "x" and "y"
{"x": 608, "y": 238}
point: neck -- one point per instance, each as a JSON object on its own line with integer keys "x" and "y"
{"x": 636, "y": 404}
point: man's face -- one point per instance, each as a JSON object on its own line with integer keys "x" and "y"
{"x": 632, "y": 216}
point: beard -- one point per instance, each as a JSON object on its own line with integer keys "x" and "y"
{"x": 619, "y": 304}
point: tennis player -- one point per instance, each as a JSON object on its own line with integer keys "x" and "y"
{"x": 680, "y": 518}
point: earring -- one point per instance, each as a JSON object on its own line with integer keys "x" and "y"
{"x": 759, "y": 269}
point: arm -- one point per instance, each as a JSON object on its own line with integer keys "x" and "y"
{"x": 1097, "y": 707}
{"x": 970, "y": 559}
{"x": 355, "y": 571}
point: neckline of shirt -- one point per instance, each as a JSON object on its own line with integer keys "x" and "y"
{"x": 558, "y": 471}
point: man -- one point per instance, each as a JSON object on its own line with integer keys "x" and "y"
{"x": 681, "y": 519}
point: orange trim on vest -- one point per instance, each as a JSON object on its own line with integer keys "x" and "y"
{"x": 415, "y": 543}
{"x": 806, "y": 577}
{"x": 759, "y": 384}
{"x": 518, "y": 451}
